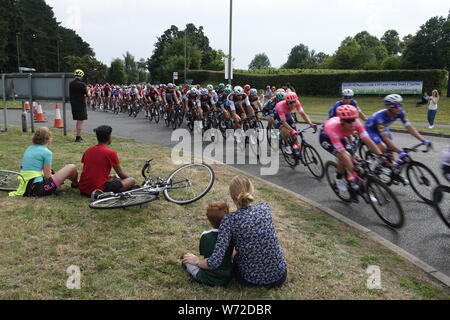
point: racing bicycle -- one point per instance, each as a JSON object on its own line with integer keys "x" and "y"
{"x": 185, "y": 185}
{"x": 9, "y": 180}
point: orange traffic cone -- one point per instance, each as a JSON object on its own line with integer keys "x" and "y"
{"x": 40, "y": 114}
{"x": 27, "y": 106}
{"x": 58, "y": 119}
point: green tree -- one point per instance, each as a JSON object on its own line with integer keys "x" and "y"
{"x": 300, "y": 58}
{"x": 116, "y": 73}
{"x": 94, "y": 70}
{"x": 392, "y": 42}
{"x": 260, "y": 61}
{"x": 347, "y": 56}
{"x": 392, "y": 63}
{"x": 430, "y": 47}
{"x": 131, "y": 68}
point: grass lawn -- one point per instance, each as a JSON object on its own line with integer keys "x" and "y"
{"x": 370, "y": 105}
{"x": 135, "y": 253}
{"x": 11, "y": 105}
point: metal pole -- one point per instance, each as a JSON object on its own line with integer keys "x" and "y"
{"x": 4, "y": 101}
{"x": 18, "y": 52}
{"x": 30, "y": 87}
{"x": 231, "y": 38}
{"x": 64, "y": 103}
{"x": 185, "y": 56}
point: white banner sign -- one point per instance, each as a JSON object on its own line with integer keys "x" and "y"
{"x": 399, "y": 87}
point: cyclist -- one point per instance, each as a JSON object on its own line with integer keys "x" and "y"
{"x": 269, "y": 108}
{"x": 236, "y": 101}
{"x": 254, "y": 100}
{"x": 333, "y": 138}
{"x": 284, "y": 120}
{"x": 247, "y": 88}
{"x": 213, "y": 96}
{"x": 347, "y": 99}
{"x": 377, "y": 126}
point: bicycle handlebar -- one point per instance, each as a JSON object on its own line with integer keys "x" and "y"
{"x": 414, "y": 149}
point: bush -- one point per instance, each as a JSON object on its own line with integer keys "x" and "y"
{"x": 321, "y": 81}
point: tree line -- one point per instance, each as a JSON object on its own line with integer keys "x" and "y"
{"x": 429, "y": 48}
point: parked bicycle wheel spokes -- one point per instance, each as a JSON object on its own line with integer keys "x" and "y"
{"x": 9, "y": 180}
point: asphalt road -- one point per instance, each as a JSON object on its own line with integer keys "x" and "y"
{"x": 423, "y": 235}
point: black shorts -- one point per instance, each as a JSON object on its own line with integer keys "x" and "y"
{"x": 79, "y": 112}
{"x": 325, "y": 142}
{"x": 113, "y": 186}
{"x": 45, "y": 188}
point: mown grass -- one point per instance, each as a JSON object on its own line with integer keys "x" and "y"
{"x": 135, "y": 253}
{"x": 11, "y": 104}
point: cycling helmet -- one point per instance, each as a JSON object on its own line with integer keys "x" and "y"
{"x": 347, "y": 112}
{"x": 253, "y": 92}
{"x": 281, "y": 90}
{"x": 247, "y": 87}
{"x": 280, "y": 96}
{"x": 210, "y": 87}
{"x": 203, "y": 91}
{"x": 291, "y": 97}
{"x": 393, "y": 99}
{"x": 170, "y": 86}
{"x": 193, "y": 91}
{"x": 228, "y": 91}
{"x": 239, "y": 91}
{"x": 221, "y": 86}
{"x": 79, "y": 73}
{"x": 348, "y": 93}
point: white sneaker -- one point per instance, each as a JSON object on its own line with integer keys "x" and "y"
{"x": 341, "y": 184}
{"x": 431, "y": 127}
{"x": 373, "y": 199}
{"x": 288, "y": 150}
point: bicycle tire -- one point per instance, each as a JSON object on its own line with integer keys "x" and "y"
{"x": 156, "y": 115}
{"x": 311, "y": 157}
{"x": 374, "y": 190}
{"x": 441, "y": 203}
{"x": 290, "y": 159}
{"x": 330, "y": 173}
{"x": 412, "y": 174}
{"x": 202, "y": 172}
{"x": 123, "y": 200}
{"x": 9, "y": 180}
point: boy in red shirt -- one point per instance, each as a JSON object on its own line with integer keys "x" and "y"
{"x": 98, "y": 161}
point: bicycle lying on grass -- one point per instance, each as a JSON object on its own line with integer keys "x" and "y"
{"x": 185, "y": 185}
{"x": 9, "y": 180}
{"x": 374, "y": 192}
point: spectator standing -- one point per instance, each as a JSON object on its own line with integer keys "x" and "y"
{"x": 425, "y": 99}
{"x": 268, "y": 93}
{"x": 78, "y": 93}
{"x": 432, "y": 108}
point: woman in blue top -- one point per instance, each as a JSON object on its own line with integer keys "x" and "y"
{"x": 259, "y": 259}
{"x": 37, "y": 169}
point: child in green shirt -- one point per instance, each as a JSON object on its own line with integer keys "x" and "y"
{"x": 222, "y": 276}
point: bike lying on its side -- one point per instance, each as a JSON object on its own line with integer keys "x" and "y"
{"x": 9, "y": 180}
{"x": 185, "y": 185}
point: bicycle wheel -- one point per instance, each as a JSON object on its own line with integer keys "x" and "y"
{"x": 9, "y": 180}
{"x": 123, "y": 200}
{"x": 441, "y": 203}
{"x": 422, "y": 180}
{"x": 313, "y": 161}
{"x": 330, "y": 172}
{"x": 291, "y": 159}
{"x": 156, "y": 114}
{"x": 385, "y": 203}
{"x": 189, "y": 183}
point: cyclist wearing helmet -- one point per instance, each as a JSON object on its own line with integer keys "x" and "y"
{"x": 247, "y": 88}
{"x": 169, "y": 96}
{"x": 333, "y": 138}
{"x": 191, "y": 101}
{"x": 284, "y": 119}
{"x": 239, "y": 112}
{"x": 347, "y": 99}
{"x": 269, "y": 108}
{"x": 377, "y": 125}
{"x": 213, "y": 96}
{"x": 254, "y": 100}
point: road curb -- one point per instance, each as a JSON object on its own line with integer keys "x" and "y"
{"x": 431, "y": 271}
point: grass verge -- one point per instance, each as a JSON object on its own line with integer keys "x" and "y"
{"x": 135, "y": 253}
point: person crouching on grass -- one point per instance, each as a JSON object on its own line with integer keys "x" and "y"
{"x": 97, "y": 164}
{"x": 36, "y": 170}
{"x": 223, "y": 275}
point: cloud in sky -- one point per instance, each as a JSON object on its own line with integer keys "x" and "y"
{"x": 115, "y": 26}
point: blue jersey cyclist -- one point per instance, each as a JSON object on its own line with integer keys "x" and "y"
{"x": 347, "y": 100}
{"x": 377, "y": 126}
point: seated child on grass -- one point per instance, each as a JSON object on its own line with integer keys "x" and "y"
{"x": 222, "y": 276}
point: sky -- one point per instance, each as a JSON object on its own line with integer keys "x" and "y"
{"x": 113, "y": 27}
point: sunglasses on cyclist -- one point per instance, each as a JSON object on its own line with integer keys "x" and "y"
{"x": 291, "y": 102}
{"x": 348, "y": 98}
{"x": 395, "y": 106}
{"x": 349, "y": 120}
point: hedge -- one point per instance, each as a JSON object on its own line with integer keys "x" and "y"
{"x": 326, "y": 82}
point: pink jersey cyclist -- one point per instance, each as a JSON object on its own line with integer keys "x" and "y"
{"x": 334, "y": 130}
{"x": 282, "y": 111}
